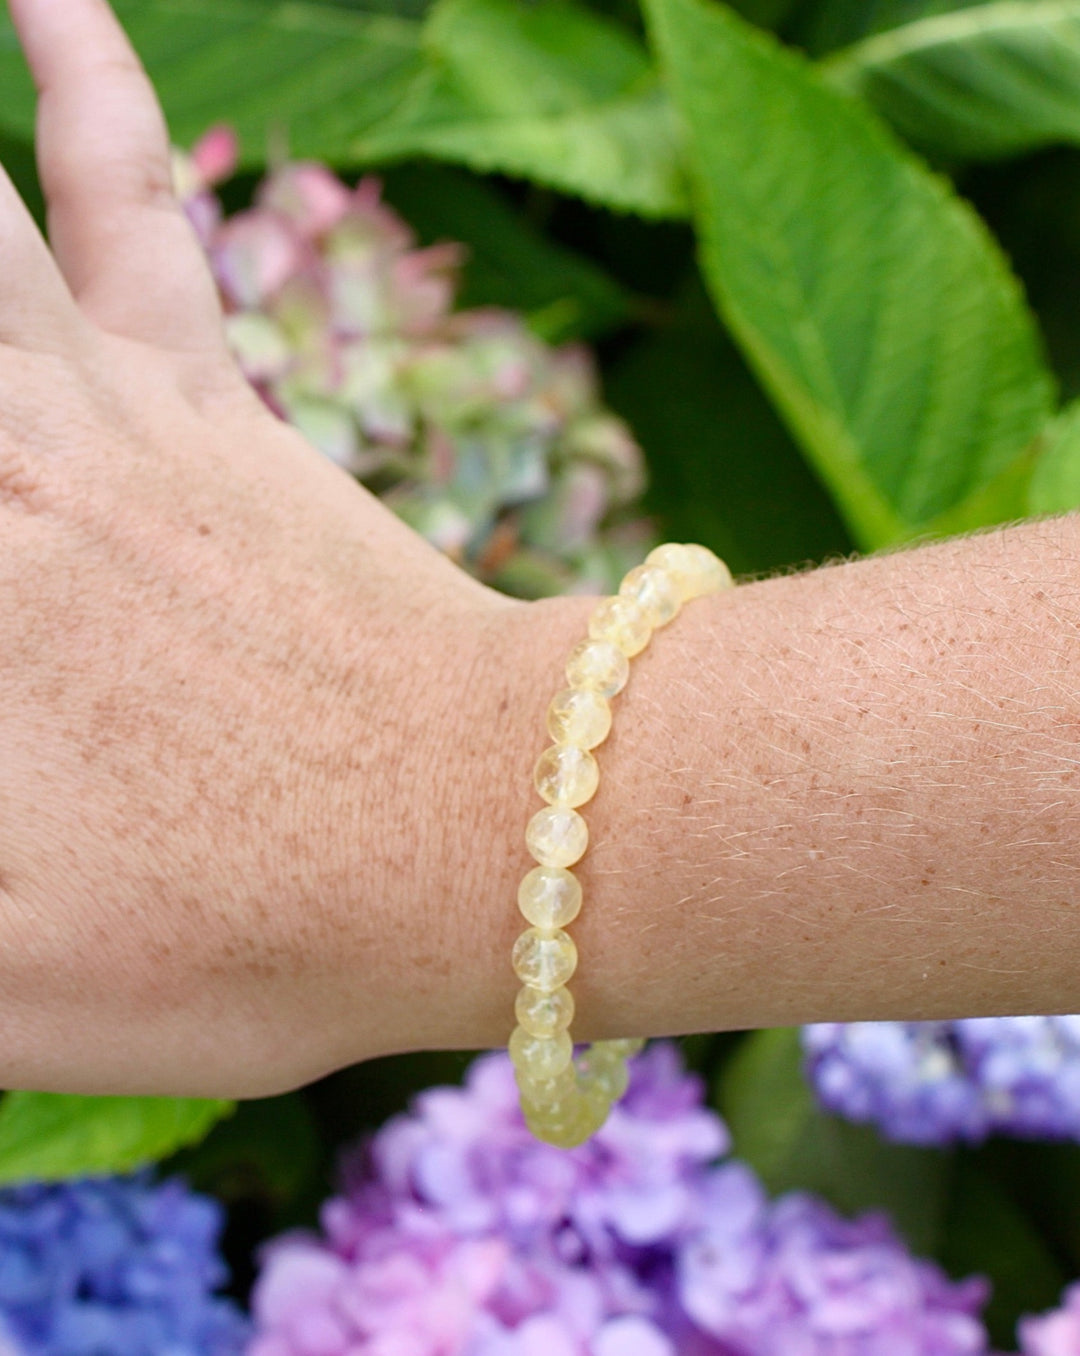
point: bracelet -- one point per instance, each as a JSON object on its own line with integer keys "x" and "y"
{"x": 565, "y": 1099}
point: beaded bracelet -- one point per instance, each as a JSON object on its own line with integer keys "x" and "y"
{"x": 565, "y": 1099}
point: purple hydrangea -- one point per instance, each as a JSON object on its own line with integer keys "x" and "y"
{"x": 939, "y": 1082}
{"x": 113, "y": 1267}
{"x": 790, "y": 1276}
{"x": 458, "y": 1234}
{"x": 1056, "y": 1333}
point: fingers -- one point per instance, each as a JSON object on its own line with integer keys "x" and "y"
{"x": 124, "y": 245}
{"x": 36, "y": 308}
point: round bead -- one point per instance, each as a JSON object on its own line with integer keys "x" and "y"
{"x": 655, "y": 590}
{"x": 587, "y": 1115}
{"x": 624, "y": 622}
{"x": 553, "y": 1094}
{"x": 577, "y": 715}
{"x": 626, "y": 1048}
{"x": 678, "y": 562}
{"x": 599, "y": 666}
{"x": 544, "y": 1014}
{"x": 566, "y": 775}
{"x": 710, "y": 574}
{"x": 606, "y": 1069}
{"x": 540, "y": 1057}
{"x": 550, "y": 897}
{"x": 544, "y": 960}
{"x": 557, "y": 836}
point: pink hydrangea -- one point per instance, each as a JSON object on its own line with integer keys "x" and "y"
{"x": 458, "y": 1234}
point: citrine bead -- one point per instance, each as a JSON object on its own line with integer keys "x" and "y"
{"x": 624, "y": 622}
{"x": 544, "y": 960}
{"x": 549, "y": 897}
{"x": 655, "y": 590}
{"x": 578, "y": 715}
{"x": 626, "y": 1047}
{"x": 566, "y": 775}
{"x": 556, "y": 836}
{"x": 697, "y": 570}
{"x": 599, "y": 666}
{"x": 565, "y": 1101}
{"x": 604, "y": 1066}
{"x": 544, "y": 1014}
{"x": 541, "y": 1057}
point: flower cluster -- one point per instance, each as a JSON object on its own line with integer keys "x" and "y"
{"x": 492, "y": 444}
{"x": 113, "y": 1267}
{"x": 1056, "y": 1333}
{"x": 940, "y": 1082}
{"x": 458, "y": 1234}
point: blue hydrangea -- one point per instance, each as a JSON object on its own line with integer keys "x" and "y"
{"x": 942, "y": 1082}
{"x": 114, "y": 1267}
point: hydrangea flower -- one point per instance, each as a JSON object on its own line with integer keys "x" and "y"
{"x": 456, "y": 1233}
{"x": 491, "y": 443}
{"x": 939, "y": 1082}
{"x": 118, "y": 1266}
{"x": 1056, "y": 1333}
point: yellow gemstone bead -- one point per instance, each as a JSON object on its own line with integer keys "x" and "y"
{"x": 541, "y": 1057}
{"x": 556, "y": 1094}
{"x": 606, "y": 1069}
{"x": 544, "y": 1014}
{"x": 710, "y": 574}
{"x": 599, "y": 666}
{"x": 544, "y": 960}
{"x": 679, "y": 563}
{"x": 587, "y": 1114}
{"x": 577, "y": 715}
{"x": 557, "y": 836}
{"x": 657, "y": 592}
{"x": 627, "y": 1047}
{"x": 624, "y": 622}
{"x": 550, "y": 897}
{"x": 566, "y": 775}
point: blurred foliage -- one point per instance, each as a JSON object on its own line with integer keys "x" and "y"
{"x": 48, "y": 1136}
{"x": 822, "y": 343}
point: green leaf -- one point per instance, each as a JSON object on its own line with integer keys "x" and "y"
{"x": 723, "y": 470}
{"x": 307, "y": 76}
{"x": 510, "y": 263}
{"x": 779, "y": 1130}
{"x": 829, "y": 24}
{"x": 545, "y": 91}
{"x": 872, "y": 303}
{"x": 47, "y": 1136}
{"x": 990, "y": 81}
{"x": 1055, "y": 483}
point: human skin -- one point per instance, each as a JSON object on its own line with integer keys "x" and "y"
{"x": 265, "y": 756}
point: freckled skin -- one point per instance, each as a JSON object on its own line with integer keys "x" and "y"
{"x": 266, "y": 757}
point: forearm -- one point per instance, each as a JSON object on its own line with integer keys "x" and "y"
{"x": 845, "y": 794}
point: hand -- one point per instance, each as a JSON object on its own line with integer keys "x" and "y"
{"x": 229, "y": 678}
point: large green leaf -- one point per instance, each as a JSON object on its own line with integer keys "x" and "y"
{"x": 828, "y": 24}
{"x": 873, "y": 304}
{"x": 723, "y": 470}
{"x": 48, "y": 1136}
{"x": 1055, "y": 483}
{"x": 777, "y": 1127}
{"x": 303, "y": 76}
{"x": 545, "y": 91}
{"x": 984, "y": 82}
